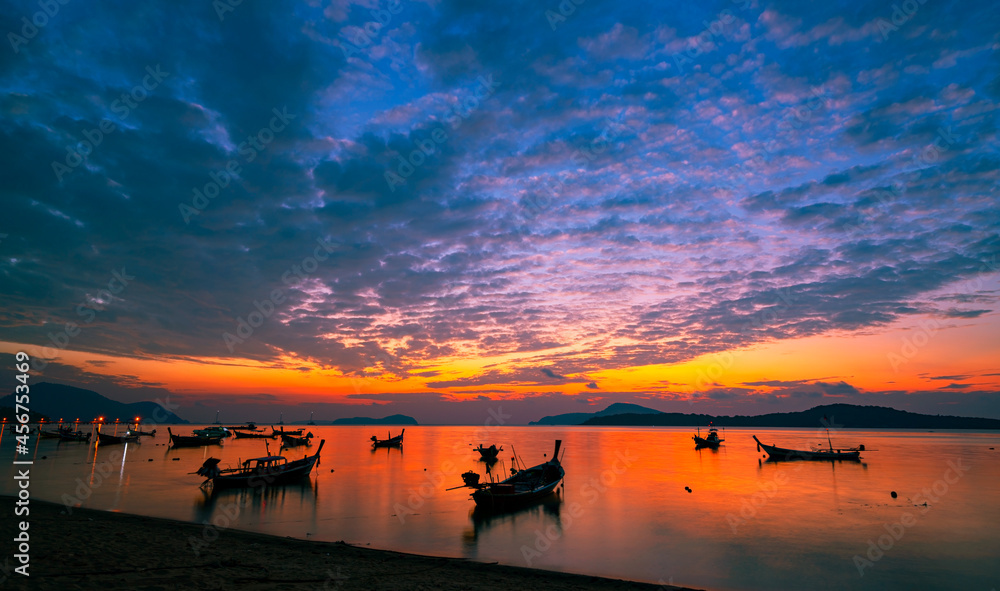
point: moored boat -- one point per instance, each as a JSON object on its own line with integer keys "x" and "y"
{"x": 105, "y": 439}
{"x": 780, "y": 453}
{"x": 523, "y": 487}
{"x": 259, "y": 472}
{"x": 292, "y": 441}
{"x": 74, "y": 436}
{"x": 213, "y": 431}
{"x": 253, "y": 434}
{"x": 396, "y": 441}
{"x": 282, "y": 431}
{"x": 710, "y": 440}
{"x": 488, "y": 454}
{"x": 193, "y": 440}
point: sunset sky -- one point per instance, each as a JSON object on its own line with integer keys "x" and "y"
{"x": 363, "y": 208}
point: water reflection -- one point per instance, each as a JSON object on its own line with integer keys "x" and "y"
{"x": 541, "y": 515}
{"x": 233, "y": 502}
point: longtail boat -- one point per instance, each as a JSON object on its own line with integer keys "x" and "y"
{"x": 193, "y": 440}
{"x": 488, "y": 454}
{"x": 711, "y": 440}
{"x": 292, "y": 441}
{"x": 253, "y": 435}
{"x": 282, "y": 431}
{"x": 74, "y": 436}
{"x": 128, "y": 437}
{"x": 523, "y": 487}
{"x": 779, "y": 453}
{"x": 213, "y": 431}
{"x": 396, "y": 441}
{"x": 265, "y": 471}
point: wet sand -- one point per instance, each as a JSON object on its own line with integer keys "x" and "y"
{"x": 90, "y": 549}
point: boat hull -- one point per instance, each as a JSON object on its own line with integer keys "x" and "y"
{"x": 493, "y": 497}
{"x": 286, "y": 474}
{"x": 776, "y": 453}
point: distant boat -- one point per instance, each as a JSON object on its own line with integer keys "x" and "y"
{"x": 265, "y": 471}
{"x": 250, "y": 426}
{"x": 292, "y": 441}
{"x": 57, "y": 434}
{"x": 523, "y": 487}
{"x": 213, "y": 431}
{"x": 253, "y": 435}
{"x": 193, "y": 440}
{"x": 74, "y": 436}
{"x": 488, "y": 454}
{"x": 282, "y": 431}
{"x": 780, "y": 453}
{"x": 396, "y": 441}
{"x": 711, "y": 440}
{"x": 128, "y": 437}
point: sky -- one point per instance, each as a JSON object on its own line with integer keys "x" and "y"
{"x": 460, "y": 211}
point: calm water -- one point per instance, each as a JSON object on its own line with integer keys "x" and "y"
{"x": 623, "y": 512}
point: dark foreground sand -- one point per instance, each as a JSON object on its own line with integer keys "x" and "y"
{"x": 99, "y": 550}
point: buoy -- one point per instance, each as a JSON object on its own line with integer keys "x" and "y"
{"x": 150, "y": 460}
{"x": 893, "y": 493}
{"x": 175, "y": 459}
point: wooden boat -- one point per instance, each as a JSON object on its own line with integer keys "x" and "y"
{"x": 295, "y": 433}
{"x": 523, "y": 487}
{"x": 247, "y": 427}
{"x": 292, "y": 441}
{"x": 145, "y": 433}
{"x": 253, "y": 435}
{"x": 396, "y": 441}
{"x": 711, "y": 440}
{"x": 779, "y": 453}
{"x": 128, "y": 437}
{"x": 57, "y": 434}
{"x": 193, "y": 440}
{"x": 74, "y": 436}
{"x": 213, "y": 431}
{"x": 488, "y": 454}
{"x": 259, "y": 472}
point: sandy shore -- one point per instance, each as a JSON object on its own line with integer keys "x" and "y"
{"x": 91, "y": 549}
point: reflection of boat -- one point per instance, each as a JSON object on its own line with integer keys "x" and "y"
{"x": 780, "y": 453}
{"x": 128, "y": 437}
{"x": 259, "y": 472}
{"x": 396, "y": 441}
{"x": 253, "y": 435}
{"x": 489, "y": 454}
{"x": 710, "y": 440}
{"x": 291, "y": 441}
{"x": 523, "y": 487}
{"x": 193, "y": 440}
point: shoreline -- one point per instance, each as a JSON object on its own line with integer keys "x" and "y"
{"x": 94, "y": 549}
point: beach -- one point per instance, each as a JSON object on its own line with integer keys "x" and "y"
{"x": 90, "y": 549}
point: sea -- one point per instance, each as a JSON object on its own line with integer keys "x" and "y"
{"x": 921, "y": 510}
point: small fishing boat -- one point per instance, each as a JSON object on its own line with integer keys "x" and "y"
{"x": 247, "y": 427}
{"x": 213, "y": 431}
{"x": 258, "y": 472}
{"x": 57, "y": 434}
{"x": 523, "y": 487}
{"x": 282, "y": 431}
{"x": 711, "y": 440}
{"x": 488, "y": 454}
{"x": 128, "y": 437}
{"x": 74, "y": 436}
{"x": 779, "y": 453}
{"x": 253, "y": 435}
{"x": 292, "y": 441}
{"x": 396, "y": 441}
{"x": 193, "y": 440}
